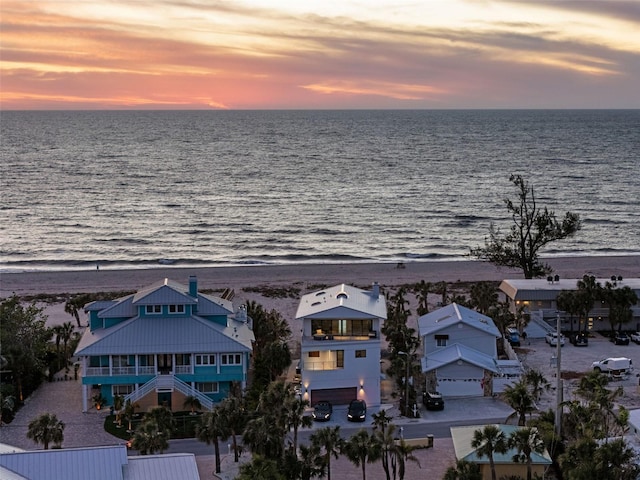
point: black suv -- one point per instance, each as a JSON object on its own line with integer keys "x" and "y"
{"x": 432, "y": 400}
{"x": 580, "y": 339}
{"x": 322, "y": 411}
{"x": 357, "y": 411}
{"x": 621, "y": 338}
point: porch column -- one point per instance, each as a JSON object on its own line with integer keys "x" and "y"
{"x": 85, "y": 398}
{"x": 110, "y": 365}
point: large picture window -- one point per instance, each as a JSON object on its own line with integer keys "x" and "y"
{"x": 356, "y": 327}
{"x": 121, "y": 390}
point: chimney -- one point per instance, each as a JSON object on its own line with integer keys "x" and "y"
{"x": 193, "y": 286}
{"x": 375, "y": 291}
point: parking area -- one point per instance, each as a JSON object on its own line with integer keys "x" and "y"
{"x": 576, "y": 361}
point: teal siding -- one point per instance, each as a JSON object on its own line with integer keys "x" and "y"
{"x": 219, "y": 319}
{"x": 111, "y": 322}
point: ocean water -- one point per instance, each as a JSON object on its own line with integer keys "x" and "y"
{"x": 128, "y": 189}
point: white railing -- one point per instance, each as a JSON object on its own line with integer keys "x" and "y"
{"x": 97, "y": 372}
{"x": 147, "y": 370}
{"x": 185, "y": 388}
{"x": 123, "y": 370}
{"x": 166, "y": 382}
{"x": 332, "y": 365}
{"x": 182, "y": 369}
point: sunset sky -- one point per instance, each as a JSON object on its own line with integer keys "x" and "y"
{"x": 319, "y": 54}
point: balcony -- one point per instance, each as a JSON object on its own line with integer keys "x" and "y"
{"x": 321, "y": 336}
{"x": 317, "y": 366}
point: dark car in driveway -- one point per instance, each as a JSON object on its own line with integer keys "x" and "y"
{"x": 580, "y": 339}
{"x": 322, "y": 411}
{"x": 357, "y": 411}
{"x": 432, "y": 400}
{"x": 621, "y": 338}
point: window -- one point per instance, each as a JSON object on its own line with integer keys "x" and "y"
{"x": 340, "y": 358}
{"x": 314, "y": 354}
{"x": 120, "y": 360}
{"x": 176, "y": 308}
{"x": 207, "y": 387}
{"x": 441, "y": 340}
{"x": 231, "y": 359}
{"x": 184, "y": 359}
{"x": 147, "y": 360}
{"x": 361, "y": 353}
{"x": 154, "y": 309}
{"x": 121, "y": 389}
{"x": 209, "y": 359}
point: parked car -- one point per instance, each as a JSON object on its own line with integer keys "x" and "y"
{"x": 432, "y": 400}
{"x": 322, "y": 411}
{"x": 635, "y": 337}
{"x": 357, "y": 411}
{"x": 620, "y": 338}
{"x": 580, "y": 339}
{"x": 552, "y": 339}
{"x": 615, "y": 366}
{"x": 513, "y": 336}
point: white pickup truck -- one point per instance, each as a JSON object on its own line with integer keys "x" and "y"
{"x": 614, "y": 365}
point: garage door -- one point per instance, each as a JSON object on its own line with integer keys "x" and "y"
{"x": 469, "y": 387}
{"x": 337, "y": 396}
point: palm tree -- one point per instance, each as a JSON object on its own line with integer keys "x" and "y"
{"x": 7, "y": 402}
{"x": 163, "y": 418}
{"x": 519, "y": 398}
{"x": 57, "y": 332}
{"x": 329, "y": 440}
{"x": 118, "y": 403}
{"x": 588, "y": 292}
{"x": 209, "y": 432}
{"x": 129, "y": 412}
{"x": 620, "y": 301}
{"x": 537, "y": 383}
{"x": 46, "y": 429}
{"x": 192, "y": 402}
{"x": 150, "y": 438}
{"x": 311, "y": 462}
{"x": 264, "y": 437}
{"x": 488, "y": 441}
{"x": 362, "y": 448}
{"x": 526, "y": 441}
{"x": 262, "y": 468}
{"x": 463, "y": 470}
{"x": 422, "y": 295}
{"x": 295, "y": 418}
{"x": 567, "y": 301}
{"x": 484, "y": 295}
{"x": 233, "y": 419}
{"x": 66, "y": 333}
{"x": 400, "y": 453}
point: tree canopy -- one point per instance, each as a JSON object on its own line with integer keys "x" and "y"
{"x": 532, "y": 228}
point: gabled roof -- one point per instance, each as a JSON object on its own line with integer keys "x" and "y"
{"x": 343, "y": 301}
{"x": 208, "y": 305}
{"x": 165, "y": 292}
{"x": 455, "y": 352}
{"x": 452, "y": 314}
{"x": 121, "y": 308}
{"x": 96, "y": 463}
{"x": 149, "y": 335}
{"x": 462, "y": 437}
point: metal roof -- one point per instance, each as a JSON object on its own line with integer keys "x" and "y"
{"x": 343, "y": 301}
{"x": 162, "y": 467}
{"x": 452, "y": 314}
{"x": 542, "y": 289}
{"x": 96, "y": 463}
{"x": 149, "y": 335}
{"x": 454, "y": 353}
{"x": 166, "y": 292}
{"x": 462, "y": 437}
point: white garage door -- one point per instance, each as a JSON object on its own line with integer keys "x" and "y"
{"x": 449, "y": 387}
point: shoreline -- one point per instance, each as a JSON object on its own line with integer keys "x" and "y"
{"x": 361, "y": 274}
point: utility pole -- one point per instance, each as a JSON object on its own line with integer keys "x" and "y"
{"x": 558, "y": 378}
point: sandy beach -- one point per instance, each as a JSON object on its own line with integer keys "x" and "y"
{"x": 301, "y": 276}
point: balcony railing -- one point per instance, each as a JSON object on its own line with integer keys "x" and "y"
{"x": 340, "y": 337}
{"x": 331, "y": 365}
{"x": 147, "y": 370}
{"x": 150, "y": 370}
{"x": 97, "y": 372}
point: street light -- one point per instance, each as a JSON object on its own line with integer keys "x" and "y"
{"x": 406, "y": 384}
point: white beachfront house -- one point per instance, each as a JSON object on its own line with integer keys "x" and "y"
{"x": 460, "y": 356}
{"x": 340, "y": 351}
{"x": 162, "y": 344}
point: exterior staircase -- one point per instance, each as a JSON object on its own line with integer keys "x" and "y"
{"x": 168, "y": 383}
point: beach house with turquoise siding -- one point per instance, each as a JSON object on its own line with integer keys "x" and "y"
{"x": 340, "y": 350}
{"x": 162, "y": 344}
